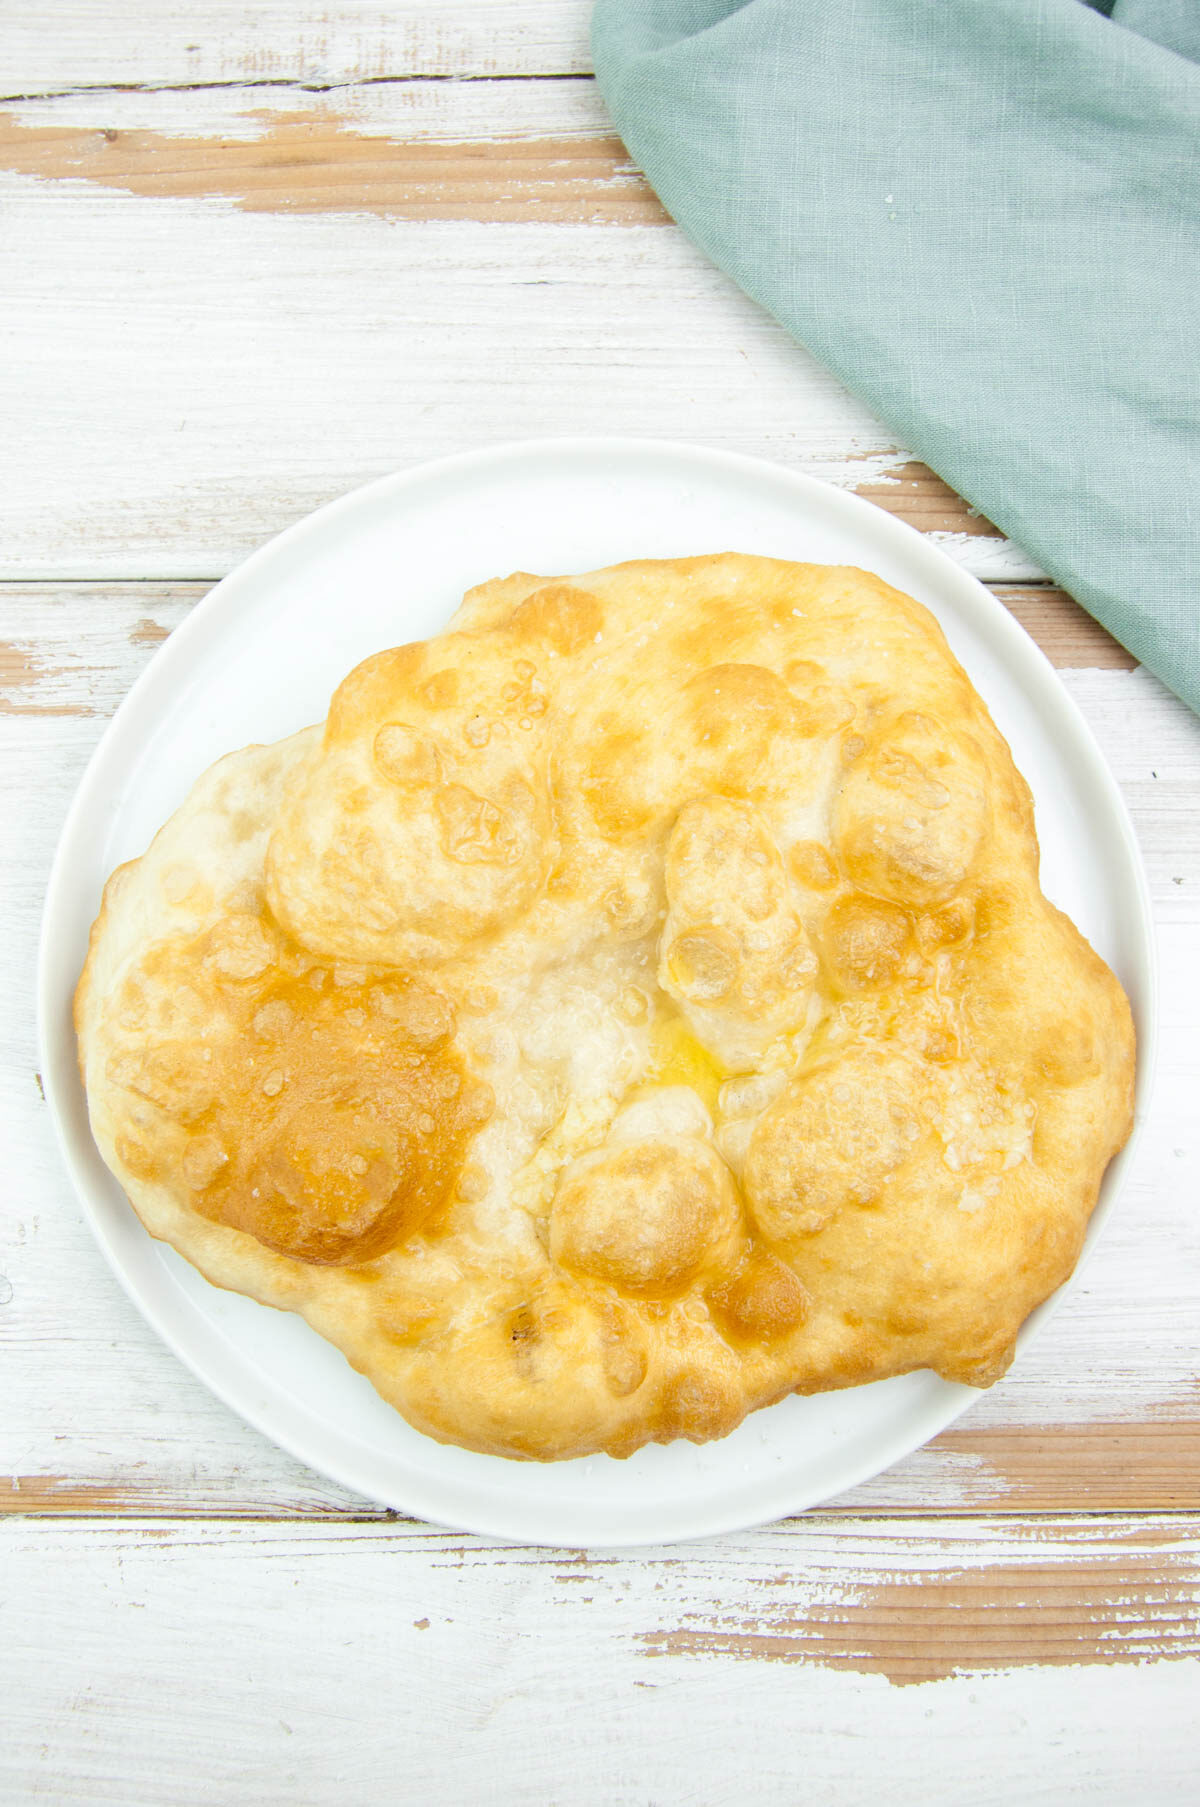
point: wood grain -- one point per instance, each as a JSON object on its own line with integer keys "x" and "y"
{"x": 315, "y": 162}
{"x": 258, "y": 329}
{"x": 1040, "y": 1598}
{"x": 1142, "y": 1467}
{"x": 928, "y": 504}
{"x": 1066, "y": 633}
{"x": 67, "y": 44}
{"x": 1153, "y": 1466}
{"x": 913, "y": 1602}
{"x": 482, "y": 109}
{"x": 183, "y": 1663}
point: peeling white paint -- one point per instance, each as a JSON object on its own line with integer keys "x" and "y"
{"x": 300, "y": 1663}
{"x": 65, "y": 46}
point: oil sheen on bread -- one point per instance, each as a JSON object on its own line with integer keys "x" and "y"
{"x": 631, "y": 1006}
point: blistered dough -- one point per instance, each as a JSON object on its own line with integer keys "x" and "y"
{"x": 630, "y": 1006}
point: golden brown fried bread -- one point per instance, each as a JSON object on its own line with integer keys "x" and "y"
{"x": 633, "y": 1005}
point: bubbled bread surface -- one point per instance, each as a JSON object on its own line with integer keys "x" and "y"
{"x": 628, "y": 1007}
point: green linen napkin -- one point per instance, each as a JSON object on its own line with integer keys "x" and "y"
{"x": 984, "y": 217}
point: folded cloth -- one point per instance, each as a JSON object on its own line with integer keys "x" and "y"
{"x": 983, "y": 216}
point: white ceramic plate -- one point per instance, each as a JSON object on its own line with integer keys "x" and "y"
{"x": 259, "y": 658}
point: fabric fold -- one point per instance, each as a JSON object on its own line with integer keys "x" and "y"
{"x": 984, "y": 218}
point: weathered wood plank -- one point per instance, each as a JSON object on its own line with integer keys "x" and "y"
{"x": 311, "y": 162}
{"x": 490, "y": 110}
{"x": 486, "y": 152}
{"x": 191, "y": 376}
{"x": 1151, "y": 1465}
{"x": 1066, "y": 633}
{"x": 315, "y": 160}
{"x": 76, "y": 648}
{"x": 71, "y": 44}
{"x": 181, "y": 1663}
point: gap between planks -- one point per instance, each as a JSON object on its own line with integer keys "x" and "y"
{"x": 73, "y": 1503}
{"x": 61, "y": 44}
{"x": 293, "y": 84}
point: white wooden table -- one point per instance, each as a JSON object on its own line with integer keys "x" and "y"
{"x": 251, "y": 257}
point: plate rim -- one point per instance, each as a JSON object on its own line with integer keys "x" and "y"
{"x": 1031, "y": 665}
